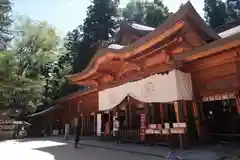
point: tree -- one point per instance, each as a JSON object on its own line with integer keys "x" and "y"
{"x": 147, "y": 13}
{"x": 57, "y": 84}
{"x": 215, "y": 12}
{"x": 233, "y": 9}
{"x": 17, "y": 91}
{"x": 157, "y": 13}
{"x": 24, "y": 67}
{"x": 99, "y": 25}
{"x": 5, "y": 20}
{"x": 35, "y": 45}
{"x": 135, "y": 12}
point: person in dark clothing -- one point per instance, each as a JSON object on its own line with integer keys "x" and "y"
{"x": 77, "y": 135}
{"x": 116, "y": 130}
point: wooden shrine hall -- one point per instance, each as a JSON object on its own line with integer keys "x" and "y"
{"x": 178, "y": 80}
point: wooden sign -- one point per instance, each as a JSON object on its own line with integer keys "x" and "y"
{"x": 152, "y": 126}
{"x": 165, "y": 131}
{"x": 178, "y": 130}
{"x": 143, "y": 126}
{"x": 157, "y": 131}
{"x": 179, "y": 125}
{"x": 219, "y": 97}
{"x": 6, "y": 125}
{"x": 166, "y": 125}
{"x": 149, "y": 131}
{"x": 159, "y": 126}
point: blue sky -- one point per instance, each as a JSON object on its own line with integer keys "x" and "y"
{"x": 66, "y": 15}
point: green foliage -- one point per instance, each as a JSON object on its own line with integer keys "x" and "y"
{"x": 7, "y": 64}
{"x": 134, "y": 12}
{"x": 233, "y": 9}
{"x": 32, "y": 64}
{"x": 147, "y": 13}
{"x": 100, "y": 24}
{"x": 215, "y": 12}
{"x": 5, "y": 20}
{"x": 17, "y": 91}
{"x": 35, "y": 45}
{"x": 57, "y": 85}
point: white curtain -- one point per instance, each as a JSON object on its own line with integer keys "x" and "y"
{"x": 112, "y": 97}
{"x": 184, "y": 85}
{"x": 157, "y": 88}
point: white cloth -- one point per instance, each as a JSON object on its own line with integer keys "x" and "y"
{"x": 67, "y": 129}
{"x": 157, "y": 88}
{"x": 116, "y": 125}
{"x": 99, "y": 123}
{"x": 66, "y": 133}
{"x": 111, "y": 97}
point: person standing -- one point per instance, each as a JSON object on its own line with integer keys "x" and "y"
{"x": 116, "y": 130}
{"x": 172, "y": 155}
{"x": 77, "y": 135}
{"x": 66, "y": 132}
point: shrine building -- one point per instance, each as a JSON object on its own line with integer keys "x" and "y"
{"x": 181, "y": 79}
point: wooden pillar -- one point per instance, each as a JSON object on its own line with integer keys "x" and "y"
{"x": 152, "y": 112}
{"x": 203, "y": 119}
{"x": 87, "y": 124}
{"x": 179, "y": 117}
{"x": 197, "y": 118}
{"x": 126, "y": 122}
{"x": 130, "y": 113}
{"x": 82, "y": 124}
{"x": 165, "y": 106}
{"x": 162, "y": 111}
{"x": 94, "y": 124}
{"x": 185, "y": 111}
{"x": 109, "y": 123}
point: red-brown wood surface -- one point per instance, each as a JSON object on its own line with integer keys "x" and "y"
{"x": 215, "y": 74}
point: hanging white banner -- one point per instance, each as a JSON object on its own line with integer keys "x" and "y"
{"x": 111, "y": 97}
{"x": 157, "y": 88}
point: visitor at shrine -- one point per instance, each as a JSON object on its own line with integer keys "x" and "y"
{"x": 66, "y": 132}
{"x": 116, "y": 130}
{"x": 172, "y": 155}
{"x": 77, "y": 135}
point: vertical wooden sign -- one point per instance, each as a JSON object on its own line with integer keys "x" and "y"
{"x": 107, "y": 128}
{"x": 143, "y": 126}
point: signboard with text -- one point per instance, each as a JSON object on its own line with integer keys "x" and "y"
{"x": 6, "y": 125}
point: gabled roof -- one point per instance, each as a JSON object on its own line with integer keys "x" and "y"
{"x": 211, "y": 48}
{"x": 131, "y": 29}
{"x": 185, "y": 13}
